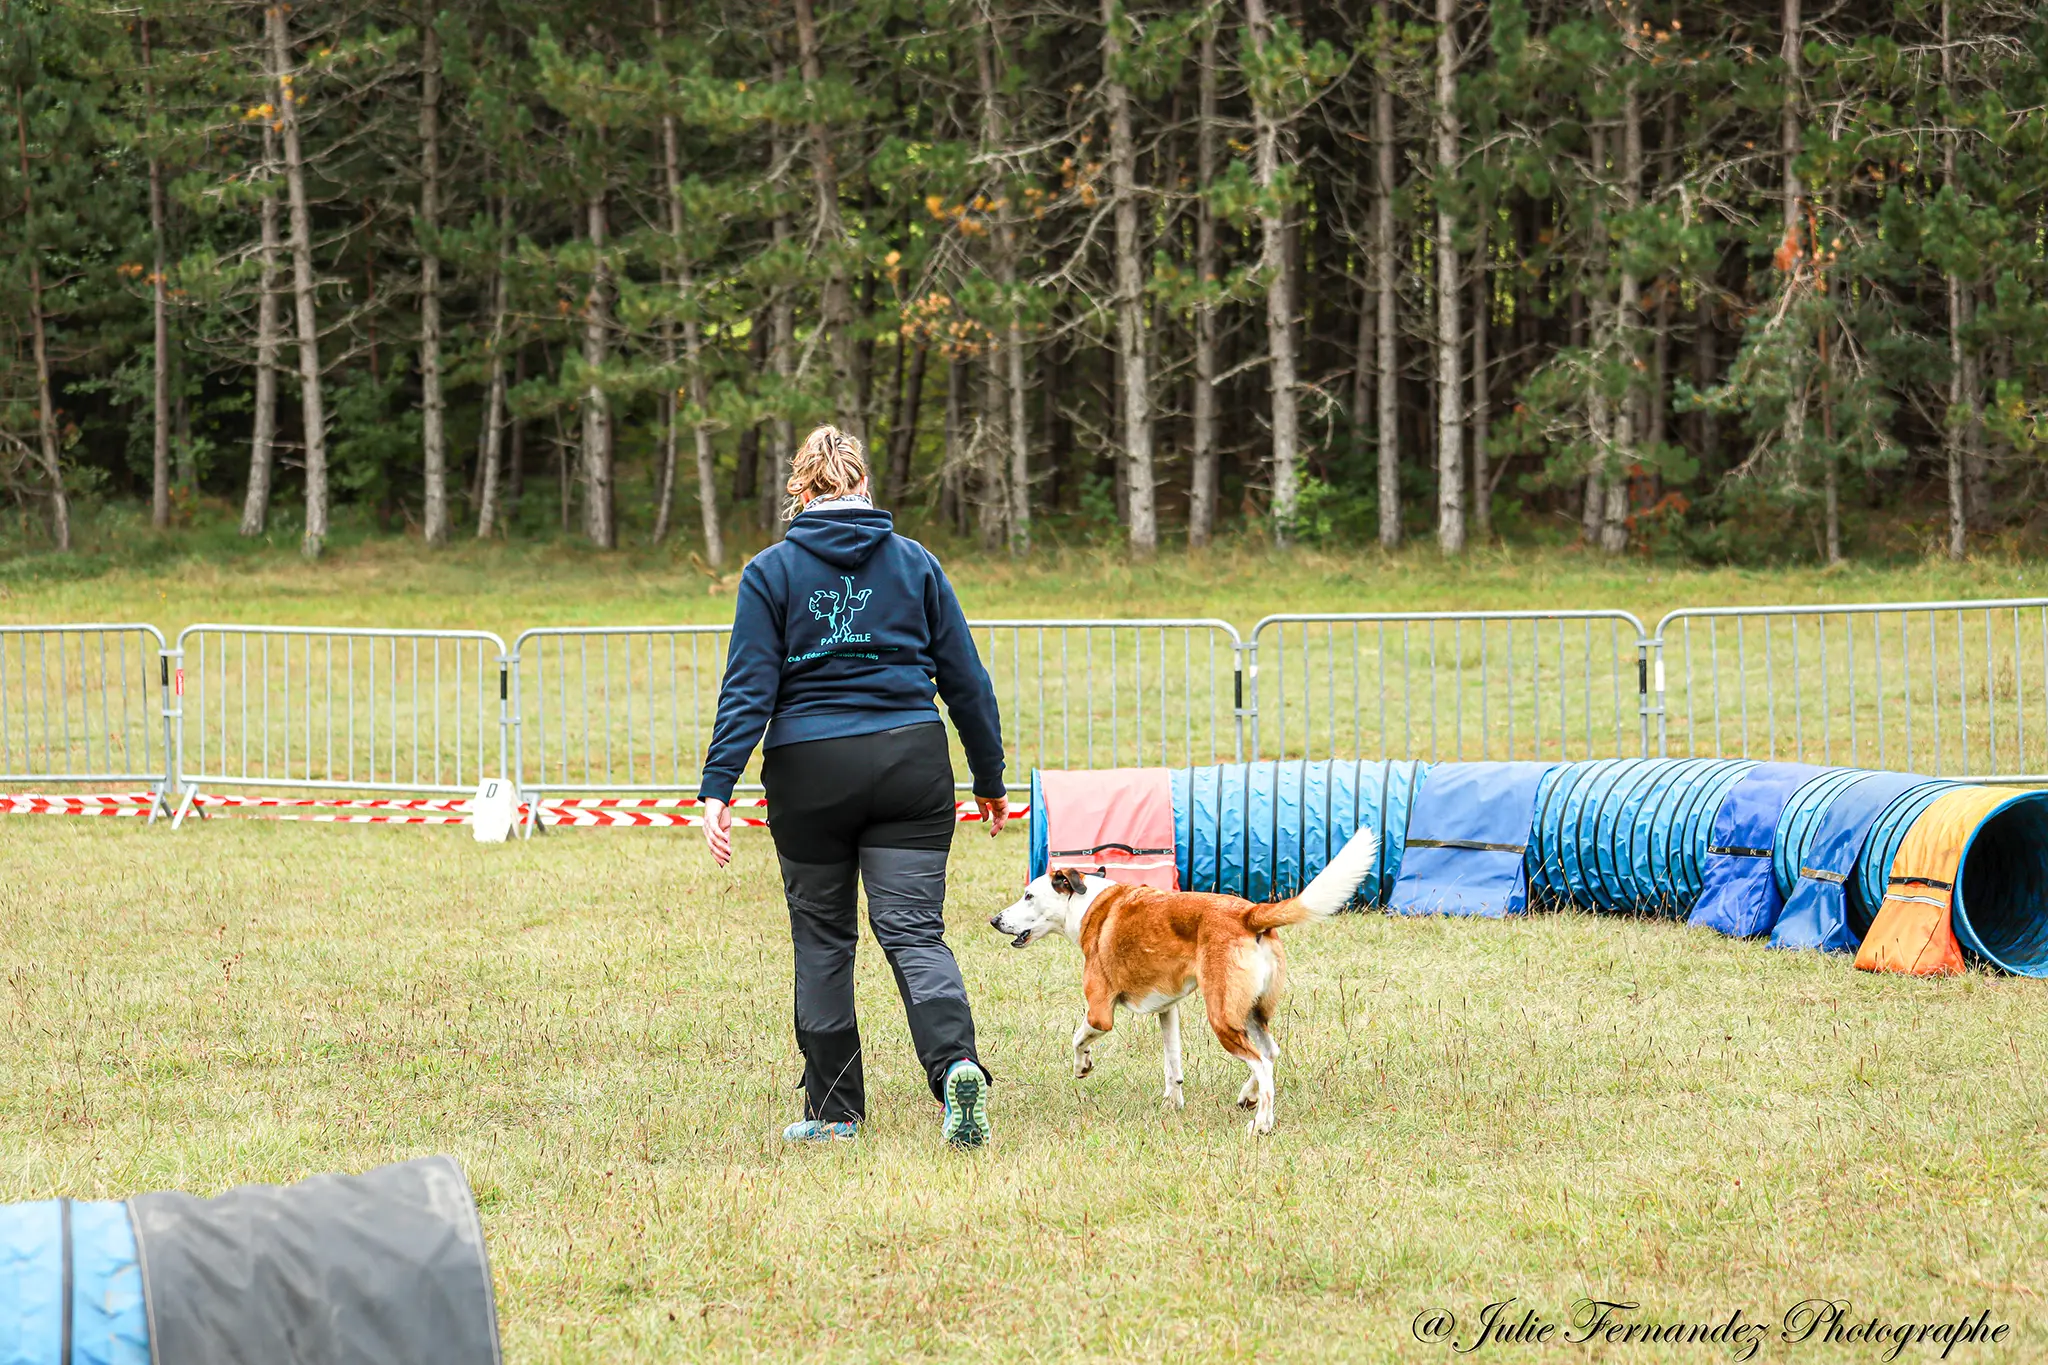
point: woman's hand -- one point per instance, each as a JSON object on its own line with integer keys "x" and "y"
{"x": 995, "y": 810}
{"x": 718, "y": 831}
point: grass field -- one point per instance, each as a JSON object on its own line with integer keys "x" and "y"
{"x": 597, "y": 1025}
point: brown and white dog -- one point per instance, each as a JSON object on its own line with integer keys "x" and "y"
{"x": 1148, "y": 950}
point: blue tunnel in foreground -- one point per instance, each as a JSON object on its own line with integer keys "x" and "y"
{"x": 387, "y": 1266}
{"x": 1799, "y": 853}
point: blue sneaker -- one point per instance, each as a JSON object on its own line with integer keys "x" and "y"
{"x": 818, "y": 1130}
{"x": 966, "y": 1091}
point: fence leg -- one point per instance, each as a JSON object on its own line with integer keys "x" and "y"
{"x": 185, "y": 808}
{"x": 533, "y": 821}
{"x": 1248, "y": 667}
{"x": 1657, "y": 689}
{"x": 1643, "y": 696}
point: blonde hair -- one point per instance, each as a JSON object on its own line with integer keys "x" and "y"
{"x": 829, "y": 464}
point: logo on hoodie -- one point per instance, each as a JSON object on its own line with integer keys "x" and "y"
{"x": 842, "y": 606}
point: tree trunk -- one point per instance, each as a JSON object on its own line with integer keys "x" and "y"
{"x": 776, "y": 476}
{"x": 1202, "y": 489}
{"x": 993, "y": 507}
{"x": 1982, "y": 371}
{"x": 263, "y": 440}
{"x": 1020, "y": 444}
{"x": 1706, "y": 367}
{"x": 707, "y": 454}
{"x": 671, "y": 417}
{"x": 433, "y": 409}
{"x": 1792, "y": 194}
{"x": 903, "y": 430}
{"x": 1831, "y": 485}
{"x": 1482, "y": 409}
{"x": 782, "y": 322}
{"x": 1386, "y": 267}
{"x": 1276, "y": 263}
{"x": 597, "y": 414}
{"x": 160, "y": 409}
{"x": 515, "y": 454}
{"x": 1622, "y": 457}
{"x": 836, "y": 299}
{"x": 46, "y": 398}
{"x": 1594, "y": 331}
{"x": 1016, "y": 427}
{"x": 494, "y": 388}
{"x": 312, "y": 410}
{"x": 1961, "y": 432}
{"x": 746, "y": 464}
{"x": 952, "y": 497}
{"x": 1135, "y": 381}
{"x": 1450, "y": 457}
{"x": 693, "y": 356}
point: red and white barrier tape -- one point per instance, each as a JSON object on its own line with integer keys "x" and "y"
{"x": 35, "y": 803}
{"x": 565, "y": 812}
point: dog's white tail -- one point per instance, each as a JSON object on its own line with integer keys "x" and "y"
{"x": 1331, "y": 889}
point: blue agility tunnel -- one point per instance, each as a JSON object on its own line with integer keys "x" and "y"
{"x": 1629, "y": 835}
{"x": 1824, "y": 842}
{"x": 1800, "y": 853}
{"x": 387, "y": 1266}
{"x": 1262, "y": 830}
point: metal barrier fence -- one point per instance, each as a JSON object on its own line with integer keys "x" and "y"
{"x": 1953, "y": 689}
{"x": 625, "y": 709}
{"x": 1950, "y": 689}
{"x": 1462, "y": 685}
{"x": 319, "y": 709}
{"x": 86, "y": 703}
{"x": 629, "y": 709}
{"x": 1115, "y": 693}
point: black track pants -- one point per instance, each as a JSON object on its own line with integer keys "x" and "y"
{"x": 873, "y": 810}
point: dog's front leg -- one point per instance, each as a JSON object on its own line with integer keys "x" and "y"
{"x": 1084, "y": 1036}
{"x": 1101, "y": 1017}
{"x": 1169, "y": 1042}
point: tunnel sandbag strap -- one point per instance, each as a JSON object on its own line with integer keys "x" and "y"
{"x": 1125, "y": 849}
{"x": 1831, "y": 830}
{"x": 1805, "y": 812}
{"x": 1117, "y": 822}
{"x": 337, "y": 1270}
{"x": 1913, "y": 933}
{"x": 1739, "y": 887}
{"x": 1874, "y": 865}
{"x": 1468, "y": 833}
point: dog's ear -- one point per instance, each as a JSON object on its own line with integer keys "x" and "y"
{"x": 1068, "y": 882}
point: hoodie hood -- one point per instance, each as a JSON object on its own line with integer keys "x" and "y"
{"x": 844, "y": 537}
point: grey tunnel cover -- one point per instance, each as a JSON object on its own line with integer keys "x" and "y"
{"x": 383, "y": 1268}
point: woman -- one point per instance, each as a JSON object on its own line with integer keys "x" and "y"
{"x": 840, "y": 637}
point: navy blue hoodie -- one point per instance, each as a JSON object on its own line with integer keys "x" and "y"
{"x": 847, "y": 628}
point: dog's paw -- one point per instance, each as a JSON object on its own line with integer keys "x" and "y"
{"x": 1248, "y": 1098}
{"x": 1261, "y": 1124}
{"x": 1176, "y": 1097}
{"x": 1083, "y": 1064}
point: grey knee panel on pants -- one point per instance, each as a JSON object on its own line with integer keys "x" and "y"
{"x": 907, "y": 907}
